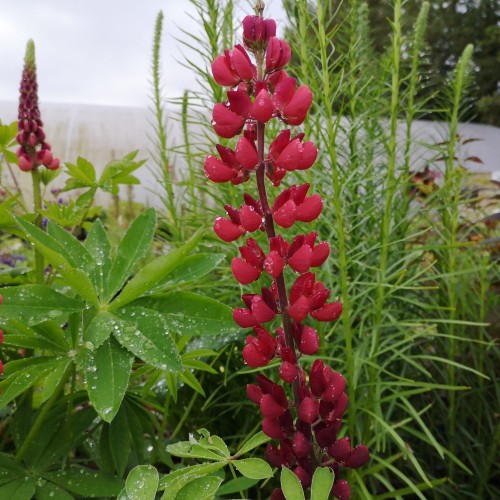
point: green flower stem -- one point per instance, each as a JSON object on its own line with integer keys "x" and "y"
{"x": 43, "y": 414}
{"x": 37, "y": 206}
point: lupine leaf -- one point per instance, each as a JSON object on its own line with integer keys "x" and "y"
{"x": 322, "y": 483}
{"x": 35, "y": 304}
{"x": 133, "y": 246}
{"x": 99, "y": 247}
{"x": 290, "y": 484}
{"x": 86, "y": 482}
{"x": 148, "y": 277}
{"x": 119, "y": 441}
{"x": 145, "y": 333}
{"x": 142, "y": 483}
{"x": 19, "y": 489}
{"x": 255, "y": 441}
{"x": 202, "y": 488}
{"x": 192, "y": 314}
{"x": 253, "y": 468}
{"x": 107, "y": 370}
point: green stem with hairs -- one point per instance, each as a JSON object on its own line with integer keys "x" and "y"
{"x": 37, "y": 206}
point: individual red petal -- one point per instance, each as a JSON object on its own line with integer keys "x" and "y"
{"x": 358, "y": 457}
{"x": 341, "y": 449}
{"x": 281, "y": 141}
{"x": 244, "y": 317}
{"x": 272, "y": 428}
{"x": 300, "y": 261}
{"x": 263, "y": 106}
{"x": 240, "y": 62}
{"x": 335, "y": 387}
{"x": 227, "y": 155}
{"x": 278, "y": 493}
{"x": 286, "y": 215}
{"x": 223, "y": 74}
{"x": 301, "y": 445}
{"x": 254, "y": 357}
{"x": 246, "y": 154}
{"x": 310, "y": 208}
{"x": 284, "y": 92}
{"x": 227, "y": 230}
{"x": 243, "y": 271}
{"x": 316, "y": 378}
{"x": 261, "y": 311}
{"x": 325, "y": 436}
{"x": 270, "y": 408}
{"x": 239, "y": 102}
{"x": 320, "y": 253}
{"x": 226, "y": 123}
{"x": 296, "y": 110}
{"x": 25, "y": 163}
{"x": 254, "y": 393}
{"x": 340, "y": 406}
{"x": 217, "y": 171}
{"x": 309, "y": 341}
{"x": 290, "y": 157}
{"x": 253, "y": 254}
{"x": 341, "y": 490}
{"x": 273, "y": 455}
{"x": 54, "y": 164}
{"x": 274, "y": 264}
{"x": 303, "y": 475}
{"x": 288, "y": 372}
{"x": 309, "y": 155}
{"x": 308, "y": 410}
{"x": 300, "y": 192}
{"x": 329, "y": 312}
{"x": 278, "y": 54}
{"x": 267, "y": 343}
{"x": 250, "y": 219}
{"x": 299, "y": 309}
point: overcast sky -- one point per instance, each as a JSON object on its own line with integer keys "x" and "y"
{"x": 96, "y": 51}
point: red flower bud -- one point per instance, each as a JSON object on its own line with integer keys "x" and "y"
{"x": 278, "y": 54}
{"x": 244, "y": 317}
{"x": 226, "y": 123}
{"x": 341, "y": 490}
{"x": 288, "y": 371}
{"x": 263, "y": 106}
{"x": 299, "y": 309}
{"x": 308, "y": 410}
{"x": 274, "y": 264}
{"x": 243, "y": 271}
{"x": 227, "y": 230}
{"x": 329, "y": 312}
{"x": 223, "y": 73}
{"x": 250, "y": 219}
{"x": 246, "y": 154}
{"x": 303, "y": 475}
{"x": 257, "y": 31}
{"x": 341, "y": 449}
{"x": 273, "y": 455}
{"x": 254, "y": 393}
{"x": 300, "y": 261}
{"x": 272, "y": 428}
{"x": 217, "y": 171}
{"x": 358, "y": 457}
{"x": 261, "y": 311}
{"x": 253, "y": 356}
{"x": 270, "y": 408}
{"x": 310, "y": 209}
{"x": 309, "y": 341}
{"x": 301, "y": 445}
{"x": 295, "y": 111}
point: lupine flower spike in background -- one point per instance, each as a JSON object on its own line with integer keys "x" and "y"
{"x": 34, "y": 150}
{"x": 304, "y": 414}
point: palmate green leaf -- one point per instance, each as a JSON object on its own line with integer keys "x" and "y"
{"x": 20, "y": 489}
{"x": 202, "y": 488}
{"x": 21, "y": 380}
{"x": 83, "y": 174}
{"x": 255, "y": 441}
{"x": 133, "y": 246}
{"x": 322, "y": 483}
{"x": 191, "y": 269}
{"x": 145, "y": 333}
{"x": 98, "y": 245}
{"x": 172, "y": 483}
{"x": 50, "y": 491}
{"x": 76, "y": 254}
{"x": 142, "y": 483}
{"x": 192, "y": 314}
{"x": 103, "y": 324}
{"x": 34, "y": 304}
{"x": 107, "y": 370}
{"x": 53, "y": 378}
{"x": 9, "y": 470}
{"x": 290, "y": 484}
{"x": 86, "y": 482}
{"x": 119, "y": 441}
{"x": 253, "y": 468}
{"x": 61, "y": 258}
{"x": 48, "y": 336}
{"x": 147, "y": 277}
